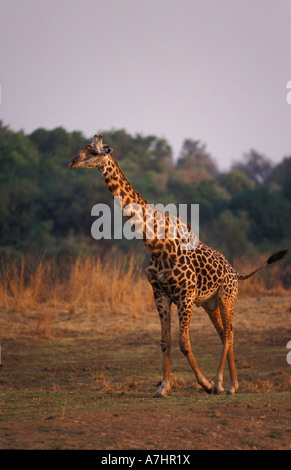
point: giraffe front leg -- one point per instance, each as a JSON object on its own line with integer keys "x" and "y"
{"x": 185, "y": 312}
{"x": 163, "y": 304}
{"x": 218, "y": 381}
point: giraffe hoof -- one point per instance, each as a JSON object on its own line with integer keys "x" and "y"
{"x": 161, "y": 392}
{"x": 230, "y": 391}
{"x": 207, "y": 386}
{"x": 218, "y": 389}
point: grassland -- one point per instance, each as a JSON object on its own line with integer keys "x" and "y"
{"x": 81, "y": 362}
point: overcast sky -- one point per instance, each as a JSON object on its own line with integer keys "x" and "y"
{"x": 211, "y": 70}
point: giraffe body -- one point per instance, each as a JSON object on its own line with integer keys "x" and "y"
{"x": 202, "y": 271}
{"x": 198, "y": 275}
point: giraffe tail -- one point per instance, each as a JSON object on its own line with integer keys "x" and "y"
{"x": 272, "y": 259}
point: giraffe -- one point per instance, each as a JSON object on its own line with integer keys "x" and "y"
{"x": 182, "y": 271}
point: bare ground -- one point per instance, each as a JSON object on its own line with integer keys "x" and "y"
{"x": 86, "y": 380}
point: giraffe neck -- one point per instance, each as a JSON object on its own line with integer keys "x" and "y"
{"x": 152, "y": 226}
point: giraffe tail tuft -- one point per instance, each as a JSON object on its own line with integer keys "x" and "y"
{"x": 277, "y": 256}
{"x": 272, "y": 259}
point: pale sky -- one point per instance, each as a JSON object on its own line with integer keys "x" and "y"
{"x": 211, "y": 70}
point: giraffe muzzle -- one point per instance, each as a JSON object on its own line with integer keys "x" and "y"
{"x": 72, "y": 165}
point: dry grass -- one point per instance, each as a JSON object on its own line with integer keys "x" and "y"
{"x": 115, "y": 287}
{"x": 268, "y": 281}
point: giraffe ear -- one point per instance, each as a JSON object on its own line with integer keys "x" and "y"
{"x": 97, "y": 143}
{"x": 108, "y": 150}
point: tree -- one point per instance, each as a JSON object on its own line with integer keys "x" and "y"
{"x": 44, "y": 205}
{"x": 193, "y": 157}
{"x": 286, "y": 189}
{"x": 20, "y": 207}
{"x": 256, "y": 166}
{"x": 235, "y": 182}
{"x": 158, "y": 149}
{"x": 281, "y": 172}
{"x": 269, "y": 214}
{"x": 230, "y": 234}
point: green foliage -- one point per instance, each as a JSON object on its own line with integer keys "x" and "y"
{"x": 44, "y": 206}
{"x": 19, "y": 188}
{"x": 269, "y": 213}
{"x": 256, "y": 166}
{"x": 281, "y": 173}
{"x": 235, "y": 182}
{"x": 194, "y": 156}
{"x": 231, "y": 233}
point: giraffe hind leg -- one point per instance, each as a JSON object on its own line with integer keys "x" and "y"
{"x": 221, "y": 317}
{"x": 228, "y": 351}
{"x": 227, "y": 305}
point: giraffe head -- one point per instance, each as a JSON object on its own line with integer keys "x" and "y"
{"x": 94, "y": 155}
